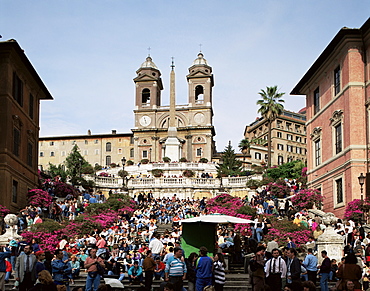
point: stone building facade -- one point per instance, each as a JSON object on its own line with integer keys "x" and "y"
{"x": 288, "y": 141}
{"x": 194, "y": 121}
{"x": 97, "y": 149}
{"x": 337, "y": 98}
{"x": 21, "y": 90}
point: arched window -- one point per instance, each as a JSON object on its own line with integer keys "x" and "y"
{"x": 199, "y": 94}
{"x": 145, "y": 96}
{"x": 108, "y": 160}
{"x": 108, "y": 147}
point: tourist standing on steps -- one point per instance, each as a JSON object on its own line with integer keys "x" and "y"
{"x": 293, "y": 267}
{"x": 148, "y": 266}
{"x": 310, "y": 263}
{"x": 203, "y": 270}
{"x": 61, "y": 269}
{"x": 25, "y": 270}
{"x": 175, "y": 270}
{"x": 3, "y": 256}
{"x": 275, "y": 271}
{"x": 156, "y": 246}
{"x": 219, "y": 266}
{"x": 93, "y": 277}
{"x": 325, "y": 269}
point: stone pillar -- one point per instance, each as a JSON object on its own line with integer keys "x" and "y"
{"x": 189, "y": 147}
{"x": 330, "y": 241}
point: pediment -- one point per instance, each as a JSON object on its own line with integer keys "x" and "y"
{"x": 146, "y": 77}
{"x": 198, "y": 74}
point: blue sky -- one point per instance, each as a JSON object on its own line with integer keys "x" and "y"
{"x": 87, "y": 52}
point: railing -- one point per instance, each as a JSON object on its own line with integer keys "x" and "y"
{"x": 173, "y": 182}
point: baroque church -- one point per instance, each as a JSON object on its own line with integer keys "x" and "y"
{"x": 173, "y": 131}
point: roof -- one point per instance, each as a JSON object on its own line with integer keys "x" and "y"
{"x": 149, "y": 63}
{"x": 200, "y": 60}
{"x": 216, "y": 218}
{"x": 12, "y": 44}
{"x": 344, "y": 32}
{"x": 86, "y": 136}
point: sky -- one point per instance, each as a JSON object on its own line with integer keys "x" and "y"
{"x": 87, "y": 53}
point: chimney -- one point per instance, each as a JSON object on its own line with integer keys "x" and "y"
{"x": 114, "y": 131}
{"x": 89, "y": 132}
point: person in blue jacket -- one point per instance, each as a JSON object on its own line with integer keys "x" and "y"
{"x": 203, "y": 270}
{"x": 3, "y": 256}
{"x": 135, "y": 273}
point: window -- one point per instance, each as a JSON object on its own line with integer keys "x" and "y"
{"x": 317, "y": 152}
{"x": 120, "y": 140}
{"x": 266, "y": 157}
{"x": 145, "y": 96}
{"x": 199, "y": 94}
{"x": 31, "y": 106}
{"x": 289, "y": 137}
{"x": 337, "y": 80}
{"x": 280, "y": 160}
{"x": 51, "y": 143}
{"x": 145, "y": 154}
{"x": 338, "y": 138}
{"x": 41, "y": 154}
{"x": 199, "y": 152}
{"x": 289, "y": 148}
{"x": 96, "y": 141}
{"x": 85, "y": 152}
{"x": 298, "y": 139}
{"x": 17, "y": 89}
{"x": 131, "y": 153}
{"x": 63, "y": 143}
{"x": 298, "y": 150}
{"x": 279, "y": 124}
{"x": 86, "y": 141}
{"x": 108, "y": 147}
{"x": 52, "y": 154}
{"x": 108, "y": 160}
{"x": 120, "y": 151}
{"x": 96, "y": 152}
{"x": 288, "y": 126}
{"x": 290, "y": 159}
{"x": 316, "y": 100}
{"x": 339, "y": 190}
{"x": 30, "y": 154}
{"x": 257, "y": 156}
{"x": 280, "y": 147}
{"x": 15, "y": 191}
{"x": 279, "y": 135}
{"x": 16, "y": 141}
{"x": 297, "y": 128}
{"x": 131, "y": 140}
{"x": 63, "y": 153}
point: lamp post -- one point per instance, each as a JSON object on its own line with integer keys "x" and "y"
{"x": 361, "y": 181}
{"x": 123, "y": 172}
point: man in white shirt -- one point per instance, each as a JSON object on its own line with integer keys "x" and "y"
{"x": 275, "y": 270}
{"x": 156, "y": 246}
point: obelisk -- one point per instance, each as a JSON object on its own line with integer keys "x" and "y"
{"x": 172, "y": 143}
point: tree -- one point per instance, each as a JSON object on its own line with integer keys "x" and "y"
{"x": 270, "y": 107}
{"x": 59, "y": 170}
{"x": 291, "y": 170}
{"x": 75, "y": 164}
{"x": 230, "y": 165}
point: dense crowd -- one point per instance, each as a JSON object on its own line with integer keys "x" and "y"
{"x": 133, "y": 249}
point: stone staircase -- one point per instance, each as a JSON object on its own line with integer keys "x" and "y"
{"x": 234, "y": 282}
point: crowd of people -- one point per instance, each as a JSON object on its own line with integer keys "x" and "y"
{"x": 132, "y": 249}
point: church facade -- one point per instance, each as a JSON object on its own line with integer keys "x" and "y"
{"x": 194, "y": 121}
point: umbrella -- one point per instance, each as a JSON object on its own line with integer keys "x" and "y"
{"x": 217, "y": 218}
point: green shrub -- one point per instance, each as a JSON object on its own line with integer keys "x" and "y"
{"x": 166, "y": 159}
{"x": 144, "y": 161}
{"x": 203, "y": 160}
{"x": 183, "y": 160}
{"x": 247, "y": 210}
{"x": 129, "y": 163}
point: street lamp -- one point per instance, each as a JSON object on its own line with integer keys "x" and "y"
{"x": 361, "y": 181}
{"x": 123, "y": 172}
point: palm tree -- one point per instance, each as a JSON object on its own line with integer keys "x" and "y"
{"x": 244, "y": 147}
{"x": 270, "y": 107}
